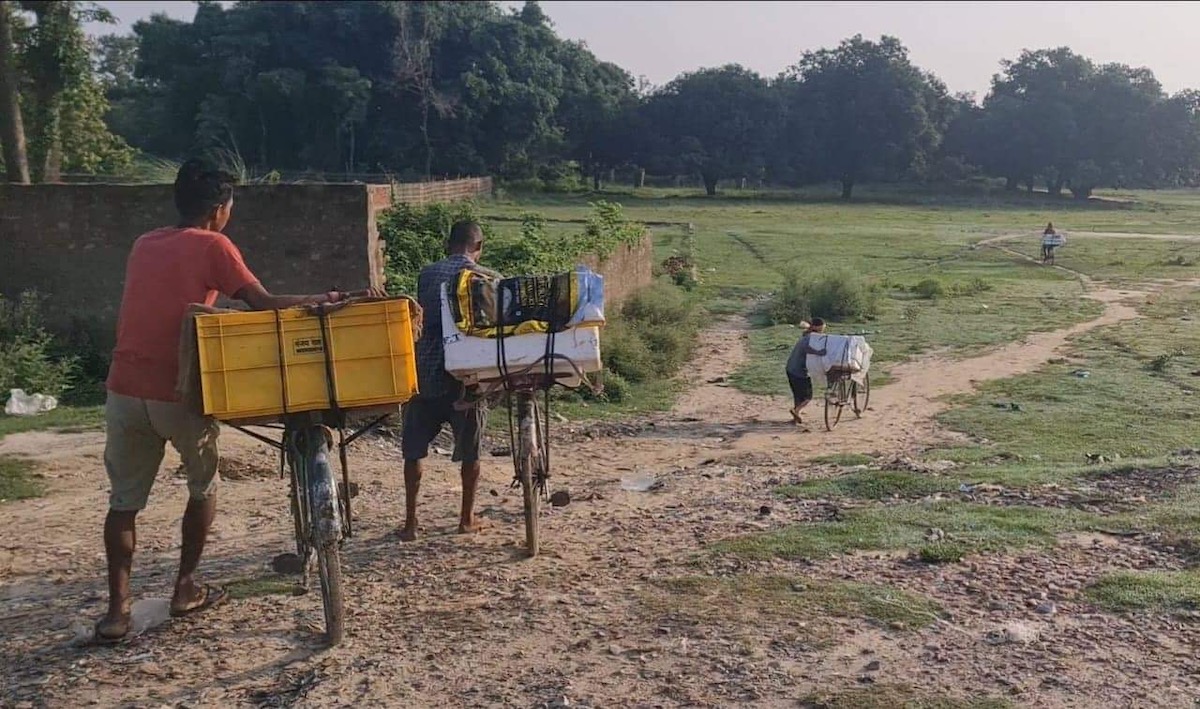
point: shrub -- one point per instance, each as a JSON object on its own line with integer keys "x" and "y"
{"x": 929, "y": 289}
{"x": 843, "y": 296}
{"x": 790, "y": 305}
{"x": 416, "y": 236}
{"x": 616, "y": 388}
{"x": 653, "y": 335}
{"x": 27, "y": 351}
{"x": 838, "y": 296}
{"x": 975, "y": 286}
{"x": 626, "y": 353}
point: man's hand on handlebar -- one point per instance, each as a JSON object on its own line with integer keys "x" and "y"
{"x": 364, "y": 293}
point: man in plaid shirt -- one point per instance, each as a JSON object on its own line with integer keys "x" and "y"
{"x": 440, "y": 398}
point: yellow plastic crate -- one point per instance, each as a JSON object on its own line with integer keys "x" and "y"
{"x": 371, "y": 348}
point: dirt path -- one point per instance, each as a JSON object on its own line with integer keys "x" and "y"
{"x": 466, "y": 621}
{"x": 1097, "y": 235}
{"x": 902, "y": 413}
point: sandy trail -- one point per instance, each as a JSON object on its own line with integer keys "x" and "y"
{"x": 466, "y": 621}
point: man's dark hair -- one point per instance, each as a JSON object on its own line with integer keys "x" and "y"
{"x": 816, "y": 322}
{"x": 465, "y": 235}
{"x": 199, "y": 187}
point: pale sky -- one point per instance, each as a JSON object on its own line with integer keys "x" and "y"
{"x": 961, "y": 42}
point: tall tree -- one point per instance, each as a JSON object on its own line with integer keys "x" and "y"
{"x": 871, "y": 113}
{"x": 12, "y": 127}
{"x": 715, "y": 123}
{"x": 1056, "y": 116}
{"x": 65, "y": 103}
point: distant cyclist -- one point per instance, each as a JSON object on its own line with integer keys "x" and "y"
{"x": 1051, "y": 240}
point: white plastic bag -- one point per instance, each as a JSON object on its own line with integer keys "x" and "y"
{"x": 22, "y": 404}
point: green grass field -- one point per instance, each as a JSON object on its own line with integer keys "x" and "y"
{"x": 895, "y": 238}
{"x": 1133, "y": 408}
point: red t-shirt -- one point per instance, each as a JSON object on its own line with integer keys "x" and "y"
{"x": 168, "y": 270}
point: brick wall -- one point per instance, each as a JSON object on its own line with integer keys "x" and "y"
{"x": 627, "y": 269}
{"x": 70, "y": 242}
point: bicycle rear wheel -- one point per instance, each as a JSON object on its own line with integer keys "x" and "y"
{"x": 323, "y": 524}
{"x": 862, "y": 395}
{"x": 529, "y": 464}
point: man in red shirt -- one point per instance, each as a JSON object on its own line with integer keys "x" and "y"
{"x": 168, "y": 270}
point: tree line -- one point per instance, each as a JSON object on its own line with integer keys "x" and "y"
{"x": 426, "y": 89}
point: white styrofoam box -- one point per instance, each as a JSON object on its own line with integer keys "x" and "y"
{"x": 845, "y": 352}
{"x": 473, "y": 359}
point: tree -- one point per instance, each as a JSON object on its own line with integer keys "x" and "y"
{"x": 1055, "y": 115}
{"x": 12, "y": 127}
{"x": 717, "y": 123}
{"x": 435, "y": 87}
{"x": 62, "y": 103}
{"x": 870, "y": 113}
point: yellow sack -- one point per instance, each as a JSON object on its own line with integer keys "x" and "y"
{"x": 525, "y": 304}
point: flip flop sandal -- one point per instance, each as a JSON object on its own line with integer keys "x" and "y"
{"x": 213, "y": 597}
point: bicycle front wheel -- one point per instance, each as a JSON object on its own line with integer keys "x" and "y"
{"x": 329, "y": 568}
{"x": 835, "y": 400}
{"x": 862, "y": 395}
{"x": 529, "y": 459}
{"x": 324, "y": 525}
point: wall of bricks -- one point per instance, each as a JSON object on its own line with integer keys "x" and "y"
{"x": 70, "y": 242}
{"x": 626, "y": 270}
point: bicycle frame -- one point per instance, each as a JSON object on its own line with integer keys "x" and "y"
{"x": 291, "y": 426}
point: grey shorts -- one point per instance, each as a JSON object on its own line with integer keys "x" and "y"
{"x": 137, "y": 434}
{"x": 424, "y": 419}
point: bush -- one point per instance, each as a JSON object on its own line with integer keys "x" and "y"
{"x": 27, "y": 351}
{"x": 838, "y": 296}
{"x": 616, "y": 389}
{"x": 414, "y": 237}
{"x": 626, "y": 353}
{"x": 653, "y": 336}
{"x": 790, "y": 305}
{"x": 929, "y": 289}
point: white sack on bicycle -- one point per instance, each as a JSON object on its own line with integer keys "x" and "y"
{"x": 843, "y": 353}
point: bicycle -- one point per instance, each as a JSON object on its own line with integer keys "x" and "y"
{"x": 844, "y": 389}
{"x": 319, "y": 503}
{"x": 529, "y": 432}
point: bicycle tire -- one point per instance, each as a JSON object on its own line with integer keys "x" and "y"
{"x": 325, "y": 528}
{"x": 861, "y": 391}
{"x": 329, "y": 569}
{"x": 528, "y": 454}
{"x": 835, "y": 401}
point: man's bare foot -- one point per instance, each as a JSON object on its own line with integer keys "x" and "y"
{"x": 471, "y": 527}
{"x": 114, "y": 626}
{"x": 796, "y": 416}
{"x": 408, "y": 533}
{"x": 186, "y": 595}
{"x": 192, "y": 598}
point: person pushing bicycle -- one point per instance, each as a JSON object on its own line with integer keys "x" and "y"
{"x": 168, "y": 270}
{"x": 797, "y": 369}
{"x": 1051, "y": 240}
{"x": 441, "y": 397}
